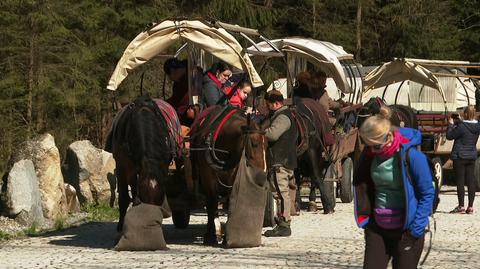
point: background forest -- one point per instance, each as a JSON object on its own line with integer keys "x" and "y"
{"x": 56, "y": 56}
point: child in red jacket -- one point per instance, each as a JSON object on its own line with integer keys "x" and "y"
{"x": 239, "y": 94}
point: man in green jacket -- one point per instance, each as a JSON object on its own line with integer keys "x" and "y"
{"x": 282, "y": 158}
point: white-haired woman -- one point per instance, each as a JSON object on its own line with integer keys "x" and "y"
{"x": 391, "y": 203}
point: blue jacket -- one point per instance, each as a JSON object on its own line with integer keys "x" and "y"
{"x": 419, "y": 190}
{"x": 465, "y": 134}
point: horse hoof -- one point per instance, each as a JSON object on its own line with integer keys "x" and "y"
{"x": 210, "y": 241}
{"x": 328, "y": 211}
{"x": 312, "y": 206}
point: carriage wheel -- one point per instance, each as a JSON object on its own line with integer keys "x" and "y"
{"x": 477, "y": 174}
{"x": 181, "y": 218}
{"x": 270, "y": 211}
{"x": 438, "y": 171}
{"x": 346, "y": 188}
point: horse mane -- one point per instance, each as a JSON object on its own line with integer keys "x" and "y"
{"x": 148, "y": 137}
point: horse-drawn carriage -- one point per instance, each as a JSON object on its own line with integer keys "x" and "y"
{"x": 332, "y": 171}
{"x": 434, "y": 89}
{"x": 209, "y": 159}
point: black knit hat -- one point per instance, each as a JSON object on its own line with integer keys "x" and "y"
{"x": 173, "y": 63}
{"x": 274, "y": 96}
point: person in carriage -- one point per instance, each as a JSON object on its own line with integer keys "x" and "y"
{"x": 238, "y": 94}
{"x": 176, "y": 70}
{"x": 214, "y": 80}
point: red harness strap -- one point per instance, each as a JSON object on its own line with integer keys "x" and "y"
{"x": 224, "y": 120}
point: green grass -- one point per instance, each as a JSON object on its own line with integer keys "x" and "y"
{"x": 32, "y": 230}
{"x": 5, "y": 236}
{"x": 96, "y": 212}
{"x": 60, "y": 223}
{"x": 100, "y": 212}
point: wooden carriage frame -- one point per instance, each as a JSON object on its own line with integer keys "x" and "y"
{"x": 341, "y": 66}
{"x": 432, "y": 124}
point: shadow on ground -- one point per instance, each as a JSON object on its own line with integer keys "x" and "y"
{"x": 104, "y": 235}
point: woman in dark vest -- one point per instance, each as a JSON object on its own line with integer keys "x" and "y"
{"x": 464, "y": 153}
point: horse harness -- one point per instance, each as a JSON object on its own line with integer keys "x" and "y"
{"x": 209, "y": 140}
{"x": 170, "y": 140}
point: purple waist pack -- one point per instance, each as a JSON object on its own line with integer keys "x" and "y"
{"x": 388, "y": 218}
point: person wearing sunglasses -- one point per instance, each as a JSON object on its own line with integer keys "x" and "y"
{"x": 392, "y": 207}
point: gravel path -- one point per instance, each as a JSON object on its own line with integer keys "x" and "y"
{"x": 318, "y": 241}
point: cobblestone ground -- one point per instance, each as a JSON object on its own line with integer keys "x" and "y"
{"x": 318, "y": 241}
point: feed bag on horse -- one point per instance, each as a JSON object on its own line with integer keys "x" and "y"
{"x": 142, "y": 229}
{"x": 247, "y": 206}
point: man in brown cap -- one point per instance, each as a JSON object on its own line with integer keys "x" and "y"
{"x": 282, "y": 158}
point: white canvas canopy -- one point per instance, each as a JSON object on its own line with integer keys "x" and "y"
{"x": 325, "y": 55}
{"x": 160, "y": 37}
{"x": 400, "y": 70}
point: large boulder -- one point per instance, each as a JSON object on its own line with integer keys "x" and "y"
{"x": 21, "y": 195}
{"x": 91, "y": 172}
{"x": 46, "y": 159}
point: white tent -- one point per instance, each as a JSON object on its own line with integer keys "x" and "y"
{"x": 325, "y": 55}
{"x": 161, "y": 36}
{"x": 420, "y": 84}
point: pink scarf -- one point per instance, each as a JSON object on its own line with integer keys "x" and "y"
{"x": 215, "y": 79}
{"x": 389, "y": 149}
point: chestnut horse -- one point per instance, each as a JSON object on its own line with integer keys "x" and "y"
{"x": 142, "y": 149}
{"x": 218, "y": 141}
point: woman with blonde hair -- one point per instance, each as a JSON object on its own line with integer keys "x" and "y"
{"x": 391, "y": 203}
{"x": 464, "y": 153}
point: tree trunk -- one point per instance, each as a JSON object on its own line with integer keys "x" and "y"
{"x": 314, "y": 11}
{"x": 31, "y": 77}
{"x": 359, "y": 30}
{"x": 268, "y": 3}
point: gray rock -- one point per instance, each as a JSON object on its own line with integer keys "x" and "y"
{"x": 21, "y": 196}
{"x": 72, "y": 199}
{"x": 46, "y": 159}
{"x": 91, "y": 172}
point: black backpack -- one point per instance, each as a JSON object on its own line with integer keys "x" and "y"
{"x": 435, "y": 183}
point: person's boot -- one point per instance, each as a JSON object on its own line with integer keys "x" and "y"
{"x": 281, "y": 230}
{"x": 312, "y": 206}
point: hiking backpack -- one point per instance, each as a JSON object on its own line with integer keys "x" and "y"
{"x": 435, "y": 181}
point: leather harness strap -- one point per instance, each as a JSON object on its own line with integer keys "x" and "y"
{"x": 224, "y": 120}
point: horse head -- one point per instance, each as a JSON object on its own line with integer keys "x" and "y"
{"x": 372, "y": 107}
{"x": 255, "y": 143}
{"x": 151, "y": 150}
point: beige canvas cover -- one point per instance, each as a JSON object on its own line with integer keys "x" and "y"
{"x": 325, "y": 55}
{"x": 400, "y": 70}
{"x": 160, "y": 37}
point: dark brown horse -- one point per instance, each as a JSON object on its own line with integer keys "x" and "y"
{"x": 403, "y": 116}
{"x": 142, "y": 149}
{"x": 218, "y": 142}
{"x": 311, "y": 163}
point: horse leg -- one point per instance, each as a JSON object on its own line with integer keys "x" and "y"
{"x": 298, "y": 198}
{"x": 123, "y": 203}
{"x": 317, "y": 180}
{"x": 210, "y": 237}
{"x": 126, "y": 176}
{"x": 312, "y": 197}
